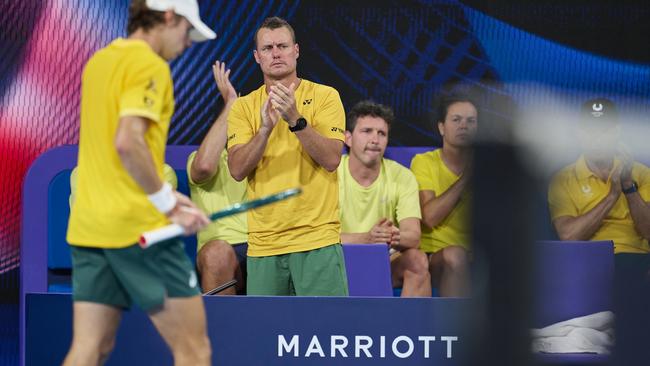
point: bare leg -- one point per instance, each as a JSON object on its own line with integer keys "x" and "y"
{"x": 410, "y": 269}
{"x": 217, "y": 264}
{"x": 94, "y": 328}
{"x": 450, "y": 271}
{"x": 181, "y": 323}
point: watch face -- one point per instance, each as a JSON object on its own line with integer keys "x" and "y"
{"x": 301, "y": 123}
{"x": 631, "y": 189}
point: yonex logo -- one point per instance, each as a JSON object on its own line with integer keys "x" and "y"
{"x": 306, "y": 101}
{"x": 151, "y": 86}
{"x": 336, "y": 129}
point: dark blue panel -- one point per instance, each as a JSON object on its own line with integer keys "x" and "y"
{"x": 58, "y": 212}
{"x": 247, "y": 331}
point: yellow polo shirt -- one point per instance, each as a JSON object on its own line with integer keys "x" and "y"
{"x": 393, "y": 195}
{"x": 215, "y": 194}
{"x": 310, "y": 220}
{"x": 432, "y": 174}
{"x": 575, "y": 190}
{"x": 126, "y": 78}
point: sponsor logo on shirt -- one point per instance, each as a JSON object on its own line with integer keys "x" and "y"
{"x": 306, "y": 101}
{"x": 336, "y": 129}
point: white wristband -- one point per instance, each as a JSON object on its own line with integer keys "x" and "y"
{"x": 164, "y": 199}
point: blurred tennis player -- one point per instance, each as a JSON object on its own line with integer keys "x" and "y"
{"x": 127, "y": 101}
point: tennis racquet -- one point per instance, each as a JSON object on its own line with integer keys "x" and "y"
{"x": 152, "y": 237}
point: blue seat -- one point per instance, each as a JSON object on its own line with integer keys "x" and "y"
{"x": 404, "y": 154}
{"x": 572, "y": 279}
{"x": 368, "y": 269}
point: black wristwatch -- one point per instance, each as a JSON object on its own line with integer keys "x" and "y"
{"x": 301, "y": 123}
{"x": 631, "y": 189}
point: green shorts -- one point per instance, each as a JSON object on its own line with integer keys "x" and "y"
{"x": 119, "y": 277}
{"x": 318, "y": 272}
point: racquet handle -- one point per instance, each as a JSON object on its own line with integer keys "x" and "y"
{"x": 152, "y": 237}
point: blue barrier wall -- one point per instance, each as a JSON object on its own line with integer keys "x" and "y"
{"x": 269, "y": 331}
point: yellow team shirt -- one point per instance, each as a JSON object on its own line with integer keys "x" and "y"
{"x": 575, "y": 190}
{"x": 168, "y": 173}
{"x": 215, "y": 194}
{"x": 310, "y": 220}
{"x": 393, "y": 195}
{"x": 432, "y": 174}
{"x": 126, "y": 78}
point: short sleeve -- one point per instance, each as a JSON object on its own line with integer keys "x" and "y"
{"x": 559, "y": 198}
{"x": 169, "y": 175}
{"x": 421, "y": 168}
{"x": 329, "y": 119}
{"x": 205, "y": 185}
{"x": 409, "y": 200}
{"x": 145, "y": 91}
{"x": 240, "y": 129}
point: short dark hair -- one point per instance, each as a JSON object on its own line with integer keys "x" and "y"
{"x": 446, "y": 100}
{"x": 274, "y": 23}
{"x": 141, "y": 17}
{"x": 369, "y": 108}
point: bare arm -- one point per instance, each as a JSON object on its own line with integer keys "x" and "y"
{"x": 407, "y": 236}
{"x": 640, "y": 211}
{"x": 134, "y": 152}
{"x": 436, "y": 209}
{"x": 206, "y": 162}
{"x": 584, "y": 227}
{"x": 379, "y": 233}
{"x": 136, "y": 157}
{"x": 326, "y": 152}
{"x": 243, "y": 158}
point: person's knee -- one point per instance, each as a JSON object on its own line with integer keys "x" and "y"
{"x": 89, "y": 349}
{"x": 194, "y": 350}
{"x": 416, "y": 261}
{"x": 217, "y": 256}
{"x": 454, "y": 258}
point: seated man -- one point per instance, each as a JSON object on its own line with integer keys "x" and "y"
{"x": 443, "y": 176}
{"x": 604, "y": 196}
{"x": 378, "y": 198}
{"x": 221, "y": 250}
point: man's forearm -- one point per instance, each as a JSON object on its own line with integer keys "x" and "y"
{"x": 640, "y": 212}
{"x": 134, "y": 152}
{"x": 243, "y": 159}
{"x": 409, "y": 239}
{"x": 435, "y": 210}
{"x": 206, "y": 161}
{"x": 326, "y": 152}
{"x": 355, "y": 238}
{"x": 584, "y": 227}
